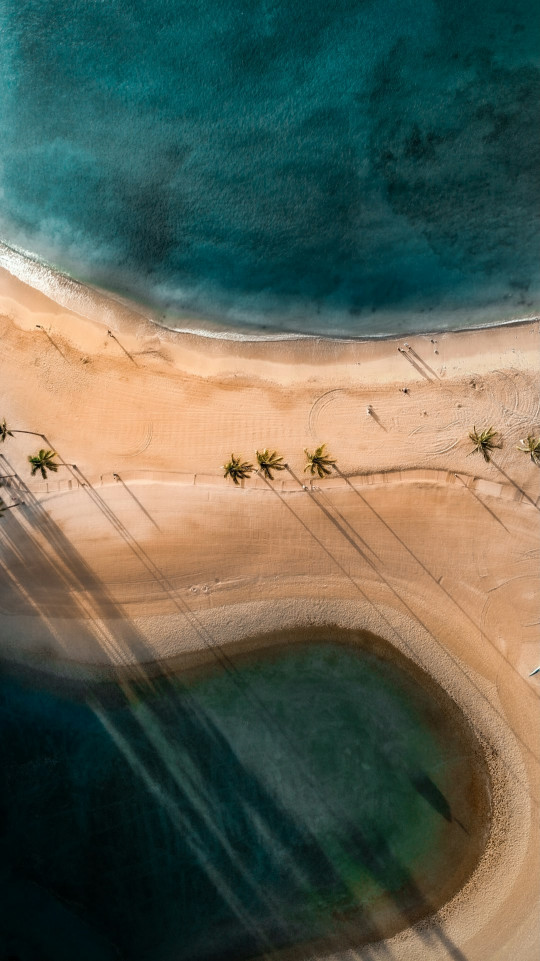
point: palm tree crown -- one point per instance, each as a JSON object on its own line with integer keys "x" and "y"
{"x": 484, "y": 442}
{"x": 4, "y": 431}
{"x": 319, "y": 462}
{"x": 269, "y": 461}
{"x": 531, "y": 446}
{"x": 237, "y": 469}
{"x": 43, "y": 461}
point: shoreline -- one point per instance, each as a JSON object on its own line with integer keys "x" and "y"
{"x": 68, "y": 293}
{"x": 445, "y": 570}
{"x": 271, "y": 360}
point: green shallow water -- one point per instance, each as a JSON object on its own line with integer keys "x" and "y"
{"x": 314, "y": 793}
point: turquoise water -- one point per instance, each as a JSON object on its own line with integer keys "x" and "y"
{"x": 227, "y": 815}
{"x": 354, "y": 167}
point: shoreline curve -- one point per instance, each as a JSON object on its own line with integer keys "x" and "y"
{"x": 85, "y": 298}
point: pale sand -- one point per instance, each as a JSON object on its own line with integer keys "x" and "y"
{"x": 432, "y": 549}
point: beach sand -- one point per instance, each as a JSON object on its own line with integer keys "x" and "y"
{"x": 413, "y": 539}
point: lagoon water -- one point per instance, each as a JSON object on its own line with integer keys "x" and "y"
{"x": 356, "y": 167}
{"x": 311, "y": 793}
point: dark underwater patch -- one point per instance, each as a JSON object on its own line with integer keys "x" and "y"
{"x": 316, "y": 167}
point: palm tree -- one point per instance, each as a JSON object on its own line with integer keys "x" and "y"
{"x": 43, "y": 461}
{"x": 318, "y": 462}
{"x": 5, "y": 431}
{"x": 237, "y": 469}
{"x": 484, "y": 442}
{"x": 269, "y": 461}
{"x": 531, "y": 446}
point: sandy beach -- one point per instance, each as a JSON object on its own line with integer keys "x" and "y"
{"x": 144, "y": 553}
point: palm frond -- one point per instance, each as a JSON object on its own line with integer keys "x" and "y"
{"x": 269, "y": 461}
{"x": 531, "y": 446}
{"x": 43, "y": 462}
{"x": 237, "y": 469}
{"x": 318, "y": 462}
{"x": 5, "y": 431}
{"x": 485, "y": 441}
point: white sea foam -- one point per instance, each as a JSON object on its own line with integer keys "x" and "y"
{"x": 104, "y": 306}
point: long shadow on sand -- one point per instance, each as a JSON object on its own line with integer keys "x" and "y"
{"x": 75, "y": 592}
{"x": 354, "y": 580}
{"x": 524, "y": 494}
{"x": 435, "y": 581}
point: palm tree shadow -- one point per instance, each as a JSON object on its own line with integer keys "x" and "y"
{"x": 312, "y": 534}
{"x": 121, "y": 346}
{"x": 137, "y": 501}
{"x": 379, "y": 858}
{"x": 388, "y": 624}
{"x": 439, "y": 585}
{"x": 71, "y": 576}
{"x": 270, "y": 862}
{"x": 54, "y": 344}
{"x": 342, "y": 520}
{"x": 514, "y": 484}
{"x": 68, "y": 578}
{"x": 480, "y": 501}
{"x": 427, "y": 788}
{"x": 336, "y": 523}
{"x": 217, "y": 812}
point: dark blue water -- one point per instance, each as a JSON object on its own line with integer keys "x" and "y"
{"x": 229, "y": 815}
{"x": 352, "y": 166}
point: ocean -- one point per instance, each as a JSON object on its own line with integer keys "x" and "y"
{"x": 348, "y": 168}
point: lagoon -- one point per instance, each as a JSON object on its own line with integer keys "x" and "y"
{"x": 324, "y": 793}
